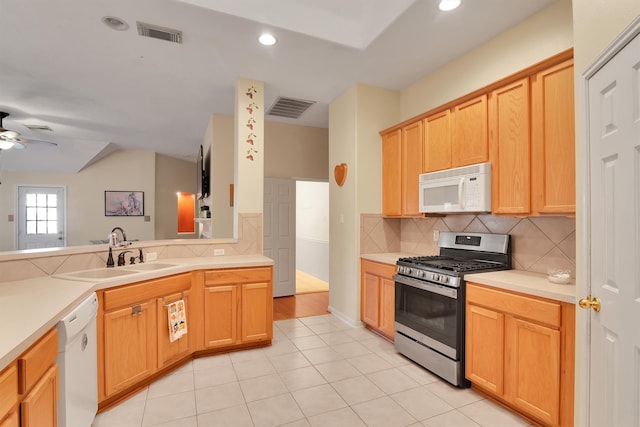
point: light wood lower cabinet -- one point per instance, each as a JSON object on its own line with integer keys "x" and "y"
{"x": 9, "y": 395}
{"x": 39, "y": 407}
{"x": 520, "y": 350}
{"x": 238, "y": 306}
{"x": 169, "y": 352}
{"x": 377, "y": 296}
{"x": 29, "y": 386}
{"x": 129, "y": 345}
{"x": 133, "y": 337}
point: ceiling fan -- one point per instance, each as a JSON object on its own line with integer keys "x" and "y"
{"x": 11, "y": 139}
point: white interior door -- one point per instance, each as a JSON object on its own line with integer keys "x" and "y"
{"x": 280, "y": 233}
{"x": 41, "y": 217}
{"x": 613, "y": 221}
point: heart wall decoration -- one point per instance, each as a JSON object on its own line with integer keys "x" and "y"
{"x": 340, "y": 174}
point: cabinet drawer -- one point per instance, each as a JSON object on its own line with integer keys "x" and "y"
{"x": 34, "y": 362}
{"x": 238, "y": 275}
{"x": 538, "y": 310}
{"x": 144, "y": 291}
{"x": 378, "y": 268}
{"x": 8, "y": 389}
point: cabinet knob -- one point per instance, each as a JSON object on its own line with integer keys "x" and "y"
{"x": 589, "y": 302}
{"x": 136, "y": 310}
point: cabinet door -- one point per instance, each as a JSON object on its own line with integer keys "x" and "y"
{"x": 220, "y": 315}
{"x": 13, "y": 420}
{"x": 391, "y": 173}
{"x": 169, "y": 352}
{"x": 533, "y": 369}
{"x": 412, "y": 142}
{"x": 8, "y": 389}
{"x": 485, "y": 348}
{"x": 129, "y": 345}
{"x": 256, "y": 312}
{"x": 470, "y": 143}
{"x": 437, "y": 142}
{"x": 38, "y": 408}
{"x": 553, "y": 140}
{"x": 370, "y": 299}
{"x": 510, "y": 148}
{"x": 387, "y": 306}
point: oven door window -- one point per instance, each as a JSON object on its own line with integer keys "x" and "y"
{"x": 431, "y": 314}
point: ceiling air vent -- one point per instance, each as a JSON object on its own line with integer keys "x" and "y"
{"x": 157, "y": 32}
{"x": 38, "y": 127}
{"x": 289, "y": 107}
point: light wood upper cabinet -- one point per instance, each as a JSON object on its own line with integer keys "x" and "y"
{"x": 377, "y": 300}
{"x": 553, "y": 140}
{"x": 470, "y": 143}
{"x": 401, "y": 167}
{"x": 509, "y": 115}
{"x": 412, "y": 141}
{"x": 520, "y": 349}
{"x": 437, "y": 142}
{"x": 392, "y": 173}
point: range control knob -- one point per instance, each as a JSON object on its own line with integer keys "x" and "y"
{"x": 445, "y": 279}
{"x": 436, "y": 277}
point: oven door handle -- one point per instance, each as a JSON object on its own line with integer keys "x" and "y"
{"x": 427, "y": 286}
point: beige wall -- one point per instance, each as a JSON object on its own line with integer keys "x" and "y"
{"x": 355, "y": 118}
{"x": 293, "y": 151}
{"x": 172, "y": 176}
{"x": 122, "y": 170}
{"x": 535, "y": 39}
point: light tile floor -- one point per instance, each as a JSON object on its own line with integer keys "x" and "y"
{"x": 318, "y": 372}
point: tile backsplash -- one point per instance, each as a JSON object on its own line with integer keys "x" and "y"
{"x": 538, "y": 243}
{"x": 249, "y": 242}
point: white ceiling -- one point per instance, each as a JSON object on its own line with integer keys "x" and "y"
{"x": 101, "y": 90}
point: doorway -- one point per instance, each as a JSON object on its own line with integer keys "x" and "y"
{"x": 41, "y": 217}
{"x": 312, "y": 236}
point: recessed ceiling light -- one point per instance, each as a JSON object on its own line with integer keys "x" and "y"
{"x": 115, "y": 23}
{"x": 448, "y": 4}
{"x": 267, "y": 39}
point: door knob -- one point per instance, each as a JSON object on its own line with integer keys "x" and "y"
{"x": 589, "y": 302}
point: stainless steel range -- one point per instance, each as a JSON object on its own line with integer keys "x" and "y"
{"x": 430, "y": 299}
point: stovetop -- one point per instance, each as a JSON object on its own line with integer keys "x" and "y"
{"x": 460, "y": 253}
{"x": 448, "y": 263}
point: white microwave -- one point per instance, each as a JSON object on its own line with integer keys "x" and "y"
{"x": 458, "y": 190}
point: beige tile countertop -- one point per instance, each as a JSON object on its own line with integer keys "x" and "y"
{"x": 29, "y": 308}
{"x": 526, "y": 282}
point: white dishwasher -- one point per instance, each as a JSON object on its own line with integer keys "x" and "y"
{"x": 78, "y": 364}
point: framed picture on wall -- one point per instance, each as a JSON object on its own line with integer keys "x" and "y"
{"x": 123, "y": 203}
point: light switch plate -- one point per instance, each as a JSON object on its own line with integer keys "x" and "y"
{"x": 151, "y": 256}
{"x": 436, "y": 235}
{"x": 218, "y": 252}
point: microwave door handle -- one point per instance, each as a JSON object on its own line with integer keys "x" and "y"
{"x": 461, "y": 192}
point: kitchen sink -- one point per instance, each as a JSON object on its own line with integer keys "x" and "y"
{"x": 150, "y": 266}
